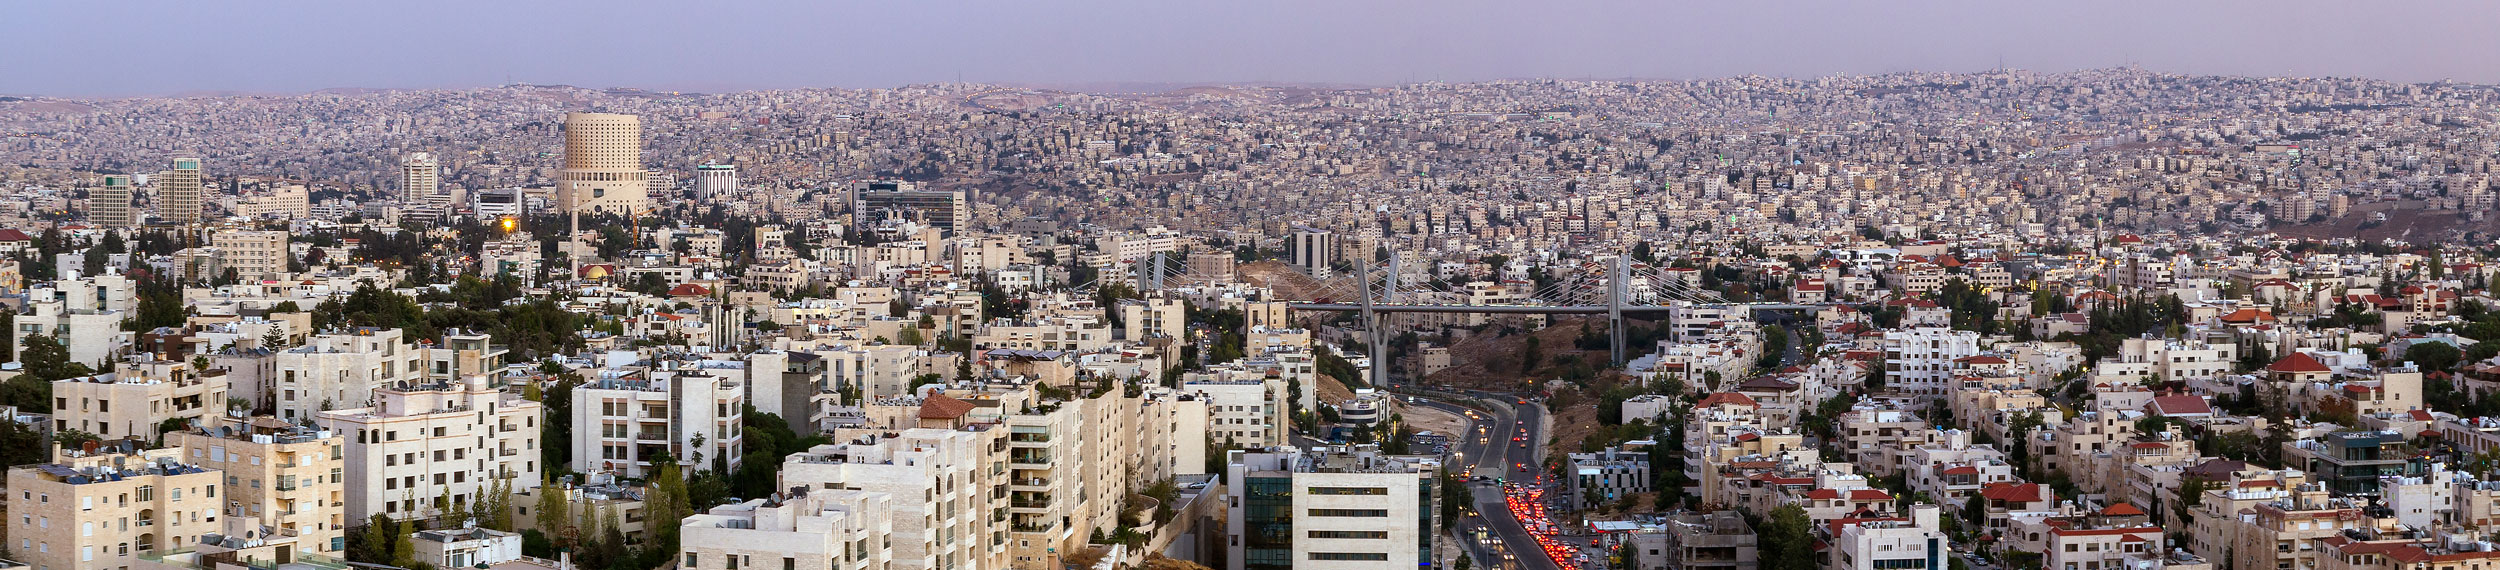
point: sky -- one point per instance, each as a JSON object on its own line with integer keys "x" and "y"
{"x": 159, "y": 47}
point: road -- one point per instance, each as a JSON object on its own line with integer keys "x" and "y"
{"x": 1492, "y": 453}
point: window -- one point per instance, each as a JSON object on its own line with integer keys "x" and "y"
{"x": 1349, "y": 490}
{"x": 1349, "y": 556}
{"x": 1349, "y": 534}
{"x": 1349, "y": 512}
{"x": 690, "y": 560}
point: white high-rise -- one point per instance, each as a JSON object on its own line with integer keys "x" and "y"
{"x": 712, "y": 181}
{"x": 419, "y": 178}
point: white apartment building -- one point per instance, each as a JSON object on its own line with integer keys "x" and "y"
{"x": 138, "y": 400}
{"x": 1919, "y": 361}
{"x": 426, "y": 451}
{"x": 626, "y": 418}
{"x": 941, "y": 493}
{"x": 1244, "y": 411}
{"x": 84, "y": 314}
{"x": 812, "y": 530}
{"x": 1329, "y": 508}
{"x": 1891, "y": 544}
{"x": 342, "y": 370}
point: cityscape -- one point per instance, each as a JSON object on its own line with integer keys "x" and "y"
{"x": 2121, "y": 317}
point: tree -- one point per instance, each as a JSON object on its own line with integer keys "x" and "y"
{"x": 1528, "y": 357}
{"x": 46, "y": 360}
{"x": 555, "y": 517}
{"x": 2434, "y": 356}
{"x": 1786, "y": 541}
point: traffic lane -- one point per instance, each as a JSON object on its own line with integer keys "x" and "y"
{"x": 1489, "y": 500}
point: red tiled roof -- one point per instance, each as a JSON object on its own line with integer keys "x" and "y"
{"x": 1869, "y": 495}
{"x": 940, "y": 407}
{"x": 2013, "y": 492}
{"x": 2122, "y": 510}
{"x": 2298, "y": 362}
{"x": 688, "y": 290}
{"x": 11, "y": 234}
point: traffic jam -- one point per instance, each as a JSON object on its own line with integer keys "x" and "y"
{"x": 1527, "y": 502}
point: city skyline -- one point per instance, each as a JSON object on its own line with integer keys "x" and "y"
{"x": 159, "y": 52}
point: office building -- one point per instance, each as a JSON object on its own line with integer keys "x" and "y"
{"x": 603, "y": 165}
{"x": 180, "y": 192}
{"x": 1313, "y": 250}
{"x": 1330, "y": 508}
{"x": 713, "y": 181}
{"x": 288, "y": 476}
{"x": 108, "y": 205}
{"x": 427, "y": 451}
{"x": 897, "y": 200}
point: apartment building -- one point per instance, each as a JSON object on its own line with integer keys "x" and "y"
{"x": 426, "y": 450}
{"x": 811, "y": 529}
{"x": 104, "y": 507}
{"x": 290, "y": 477}
{"x": 252, "y": 254}
{"x": 84, "y": 314}
{"x": 140, "y": 401}
{"x": 1920, "y": 361}
{"x": 938, "y": 484}
{"x": 690, "y": 414}
{"x": 1329, "y": 508}
{"x": 342, "y": 370}
{"x": 1890, "y": 543}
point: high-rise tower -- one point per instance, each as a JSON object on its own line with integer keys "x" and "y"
{"x": 179, "y": 192}
{"x": 603, "y": 165}
{"x": 419, "y": 178}
{"x": 109, "y": 205}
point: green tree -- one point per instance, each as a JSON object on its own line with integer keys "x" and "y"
{"x": 555, "y": 516}
{"x": 1787, "y": 542}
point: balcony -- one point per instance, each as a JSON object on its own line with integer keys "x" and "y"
{"x": 1044, "y": 527}
{"x": 1029, "y": 459}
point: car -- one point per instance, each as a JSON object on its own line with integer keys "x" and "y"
{"x": 1523, "y": 445}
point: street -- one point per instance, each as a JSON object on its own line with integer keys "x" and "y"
{"x": 1492, "y": 452}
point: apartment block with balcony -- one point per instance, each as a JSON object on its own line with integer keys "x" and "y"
{"x": 137, "y": 401}
{"x": 105, "y": 507}
{"x": 289, "y": 477}
{"x": 628, "y": 417}
{"x": 342, "y": 370}
{"x": 427, "y": 451}
{"x": 949, "y": 503}
{"x": 811, "y": 529}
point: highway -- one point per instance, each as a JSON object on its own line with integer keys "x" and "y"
{"x": 1493, "y": 453}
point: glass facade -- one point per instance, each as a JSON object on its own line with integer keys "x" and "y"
{"x": 1267, "y": 521}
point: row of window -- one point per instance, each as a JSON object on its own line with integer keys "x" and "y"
{"x": 1349, "y": 512}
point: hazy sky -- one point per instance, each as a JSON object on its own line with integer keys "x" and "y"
{"x": 145, "y": 47}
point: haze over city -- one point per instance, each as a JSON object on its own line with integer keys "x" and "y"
{"x": 164, "y": 48}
